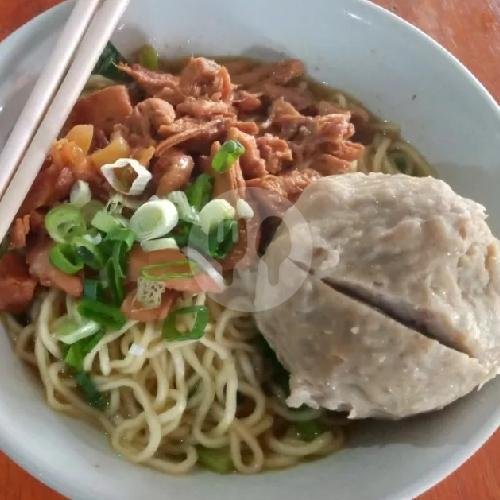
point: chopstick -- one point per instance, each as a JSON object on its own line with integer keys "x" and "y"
{"x": 44, "y": 89}
{"x": 94, "y": 38}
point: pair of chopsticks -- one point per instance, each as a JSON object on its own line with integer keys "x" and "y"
{"x": 82, "y": 40}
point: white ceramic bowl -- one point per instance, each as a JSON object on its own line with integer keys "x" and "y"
{"x": 401, "y": 75}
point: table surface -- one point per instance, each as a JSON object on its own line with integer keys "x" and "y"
{"x": 471, "y": 31}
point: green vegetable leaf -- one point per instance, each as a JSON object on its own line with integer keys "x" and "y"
{"x": 113, "y": 251}
{"x": 89, "y": 210}
{"x": 170, "y": 331}
{"x": 93, "y": 289}
{"x": 122, "y": 234}
{"x": 105, "y": 222}
{"x": 70, "y": 329}
{"x": 106, "y": 65}
{"x": 115, "y": 281}
{"x": 74, "y": 354}
{"x": 219, "y": 241}
{"x": 107, "y": 316}
{"x": 229, "y": 152}
{"x": 88, "y": 252}
{"x": 89, "y": 390}
{"x": 200, "y": 191}
{"x": 185, "y": 210}
{"x": 309, "y": 429}
{"x": 64, "y": 222}
{"x": 217, "y": 244}
{"x": 115, "y": 268}
{"x": 148, "y": 57}
{"x": 65, "y": 258}
{"x": 181, "y": 233}
{"x": 222, "y": 238}
{"x": 215, "y": 459}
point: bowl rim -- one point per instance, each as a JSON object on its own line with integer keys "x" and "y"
{"x": 21, "y": 455}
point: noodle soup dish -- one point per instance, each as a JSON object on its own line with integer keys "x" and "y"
{"x": 231, "y": 265}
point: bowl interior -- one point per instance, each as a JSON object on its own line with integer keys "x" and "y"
{"x": 399, "y": 74}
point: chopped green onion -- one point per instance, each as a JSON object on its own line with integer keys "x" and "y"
{"x": 65, "y": 258}
{"x": 154, "y": 219}
{"x": 106, "y": 65}
{"x": 115, "y": 248}
{"x": 175, "y": 269}
{"x": 88, "y": 252}
{"x": 106, "y": 222}
{"x": 181, "y": 233}
{"x": 115, "y": 283}
{"x": 148, "y": 57}
{"x": 229, "y": 152}
{"x": 215, "y": 459}
{"x": 159, "y": 244}
{"x": 196, "y": 238}
{"x": 115, "y": 272}
{"x": 114, "y": 206}
{"x": 308, "y": 430}
{"x": 199, "y": 192}
{"x": 92, "y": 289}
{"x": 184, "y": 209}
{"x": 127, "y": 176}
{"x": 170, "y": 331}
{"x": 107, "y": 316}
{"x": 119, "y": 256}
{"x": 222, "y": 239}
{"x": 74, "y": 354}
{"x": 69, "y": 330}
{"x": 89, "y": 210}
{"x": 89, "y": 390}
{"x": 122, "y": 234}
{"x": 93, "y": 236}
{"x": 118, "y": 202}
{"x": 80, "y": 194}
{"x": 214, "y": 212}
{"x": 216, "y": 244}
{"x": 64, "y": 222}
{"x": 244, "y": 210}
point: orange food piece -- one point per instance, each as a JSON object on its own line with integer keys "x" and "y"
{"x": 52, "y": 184}
{"x": 16, "y": 285}
{"x": 252, "y": 164}
{"x": 138, "y": 258}
{"x": 201, "y": 282}
{"x": 82, "y": 136}
{"x": 19, "y": 231}
{"x": 136, "y": 311}
{"x": 103, "y": 108}
{"x": 48, "y": 275}
{"x": 171, "y": 171}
